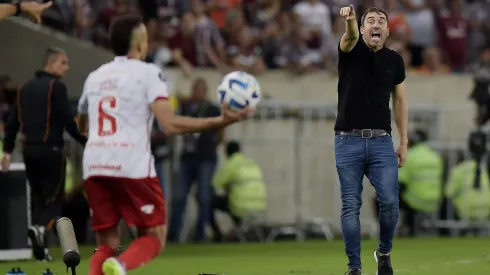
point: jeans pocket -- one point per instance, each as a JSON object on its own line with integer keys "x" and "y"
{"x": 340, "y": 139}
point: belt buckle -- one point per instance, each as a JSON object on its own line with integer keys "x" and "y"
{"x": 366, "y": 133}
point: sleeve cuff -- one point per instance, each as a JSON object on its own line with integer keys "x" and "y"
{"x": 160, "y": 98}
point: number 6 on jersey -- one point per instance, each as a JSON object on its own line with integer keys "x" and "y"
{"x": 107, "y": 123}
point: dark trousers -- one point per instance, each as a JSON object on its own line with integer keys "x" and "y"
{"x": 77, "y": 211}
{"x": 201, "y": 173}
{"x": 221, "y": 203}
{"x": 374, "y": 157}
{"x": 45, "y": 171}
{"x": 408, "y": 217}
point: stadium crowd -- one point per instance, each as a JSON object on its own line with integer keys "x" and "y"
{"x": 434, "y": 36}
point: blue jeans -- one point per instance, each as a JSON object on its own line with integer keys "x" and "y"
{"x": 202, "y": 173}
{"x": 375, "y": 158}
{"x": 159, "y": 169}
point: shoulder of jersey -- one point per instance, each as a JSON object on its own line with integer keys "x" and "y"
{"x": 154, "y": 69}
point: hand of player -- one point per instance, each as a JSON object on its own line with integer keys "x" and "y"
{"x": 5, "y": 162}
{"x": 401, "y": 155}
{"x": 35, "y": 9}
{"x": 230, "y": 116}
{"x": 348, "y": 13}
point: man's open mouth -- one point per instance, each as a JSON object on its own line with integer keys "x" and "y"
{"x": 376, "y": 35}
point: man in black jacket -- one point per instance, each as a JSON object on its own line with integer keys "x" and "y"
{"x": 42, "y": 113}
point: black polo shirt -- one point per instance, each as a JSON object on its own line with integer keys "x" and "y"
{"x": 200, "y": 146}
{"x": 366, "y": 81}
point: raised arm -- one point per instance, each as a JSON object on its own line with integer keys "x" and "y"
{"x": 351, "y": 35}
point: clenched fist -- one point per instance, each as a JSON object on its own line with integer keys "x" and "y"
{"x": 348, "y": 13}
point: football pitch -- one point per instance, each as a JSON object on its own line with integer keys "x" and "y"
{"x": 465, "y": 256}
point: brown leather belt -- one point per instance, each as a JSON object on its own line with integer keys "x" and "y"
{"x": 364, "y": 133}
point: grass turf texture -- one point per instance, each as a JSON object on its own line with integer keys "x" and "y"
{"x": 465, "y": 256}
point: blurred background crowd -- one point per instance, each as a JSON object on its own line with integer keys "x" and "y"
{"x": 433, "y": 36}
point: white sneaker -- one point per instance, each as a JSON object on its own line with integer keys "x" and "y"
{"x": 112, "y": 266}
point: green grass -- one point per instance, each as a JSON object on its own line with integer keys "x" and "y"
{"x": 469, "y": 256}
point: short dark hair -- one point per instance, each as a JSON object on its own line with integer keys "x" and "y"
{"x": 375, "y": 10}
{"x": 121, "y": 33}
{"x": 232, "y": 147}
{"x": 51, "y": 53}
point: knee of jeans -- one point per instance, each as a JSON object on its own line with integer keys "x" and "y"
{"x": 388, "y": 201}
{"x": 351, "y": 206}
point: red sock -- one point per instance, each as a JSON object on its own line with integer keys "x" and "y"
{"x": 140, "y": 252}
{"x": 103, "y": 252}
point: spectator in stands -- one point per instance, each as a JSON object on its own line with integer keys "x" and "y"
{"x": 400, "y": 47}
{"x": 197, "y": 164}
{"x": 421, "y": 20}
{"x": 453, "y": 27}
{"x": 105, "y": 18}
{"x": 84, "y": 19}
{"x": 294, "y": 55}
{"x": 239, "y": 188}
{"x": 315, "y": 18}
{"x": 73, "y": 17}
{"x": 433, "y": 62}
{"x": 183, "y": 45}
{"x": 478, "y": 15}
{"x": 158, "y": 49}
{"x": 276, "y": 35}
{"x": 218, "y": 9}
{"x": 210, "y": 46}
{"x": 166, "y": 10}
{"x": 261, "y": 14}
{"x": 399, "y": 28}
{"x": 245, "y": 55}
{"x": 235, "y": 22}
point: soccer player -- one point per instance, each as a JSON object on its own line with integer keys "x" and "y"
{"x": 34, "y": 9}
{"x": 117, "y": 102}
{"x": 369, "y": 74}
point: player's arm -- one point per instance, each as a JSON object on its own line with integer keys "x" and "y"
{"x": 34, "y": 9}
{"x": 157, "y": 95}
{"x": 400, "y": 110}
{"x": 351, "y": 35}
{"x": 400, "y": 106}
{"x": 177, "y": 125}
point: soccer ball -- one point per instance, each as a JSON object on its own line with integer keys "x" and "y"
{"x": 239, "y": 90}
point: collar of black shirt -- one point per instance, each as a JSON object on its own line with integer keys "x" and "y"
{"x": 367, "y": 47}
{"x": 42, "y": 73}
